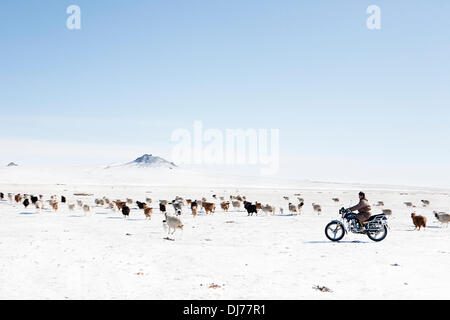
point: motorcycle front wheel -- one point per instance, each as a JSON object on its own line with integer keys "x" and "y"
{"x": 379, "y": 235}
{"x": 335, "y": 231}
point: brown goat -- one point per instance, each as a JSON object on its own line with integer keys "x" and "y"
{"x": 209, "y": 207}
{"x": 225, "y": 206}
{"x": 419, "y": 221}
{"x": 148, "y": 212}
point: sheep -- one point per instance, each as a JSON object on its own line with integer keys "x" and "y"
{"x": 408, "y": 204}
{"x": 292, "y": 208}
{"x": 317, "y": 208}
{"x": 387, "y": 211}
{"x": 10, "y": 197}
{"x": 148, "y": 200}
{"x": 335, "y": 199}
{"x": 281, "y": 210}
{"x": 80, "y": 203}
{"x": 99, "y": 202}
{"x": 425, "y": 202}
{"x": 129, "y": 201}
{"x": 162, "y": 207}
{"x": 112, "y": 206}
{"x": 300, "y": 206}
{"x": 164, "y": 202}
{"x": 286, "y": 198}
{"x": 419, "y": 221}
{"x": 86, "y": 209}
{"x": 2, "y": 195}
{"x": 236, "y": 204}
{"x": 71, "y": 207}
{"x": 54, "y": 205}
{"x": 173, "y": 223}
{"x": 177, "y": 206}
{"x": 63, "y": 199}
{"x": 194, "y": 211}
{"x": 268, "y": 209}
{"x": 380, "y": 204}
{"x": 442, "y": 217}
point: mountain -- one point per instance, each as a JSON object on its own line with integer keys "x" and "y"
{"x": 148, "y": 161}
{"x": 12, "y": 164}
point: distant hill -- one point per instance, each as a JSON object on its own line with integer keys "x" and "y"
{"x": 12, "y": 164}
{"x": 148, "y": 161}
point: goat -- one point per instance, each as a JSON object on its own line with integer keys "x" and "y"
{"x": 251, "y": 208}
{"x": 148, "y": 212}
{"x": 173, "y": 223}
{"x": 225, "y": 206}
{"x": 209, "y": 207}
{"x": 419, "y": 221}
{"x": 125, "y": 211}
{"x": 141, "y": 205}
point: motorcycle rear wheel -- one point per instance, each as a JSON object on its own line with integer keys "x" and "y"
{"x": 335, "y": 231}
{"x": 378, "y": 236}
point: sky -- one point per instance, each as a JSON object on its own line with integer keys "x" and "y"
{"x": 351, "y": 104}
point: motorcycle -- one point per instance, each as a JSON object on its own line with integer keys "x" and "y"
{"x": 376, "y": 227}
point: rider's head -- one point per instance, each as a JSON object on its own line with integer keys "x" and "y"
{"x": 362, "y": 195}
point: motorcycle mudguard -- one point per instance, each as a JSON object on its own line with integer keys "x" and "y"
{"x": 340, "y": 222}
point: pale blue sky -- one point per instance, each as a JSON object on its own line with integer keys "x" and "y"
{"x": 137, "y": 70}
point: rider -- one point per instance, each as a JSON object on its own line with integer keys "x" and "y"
{"x": 363, "y": 208}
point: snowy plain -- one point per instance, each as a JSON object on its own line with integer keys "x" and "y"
{"x": 227, "y": 255}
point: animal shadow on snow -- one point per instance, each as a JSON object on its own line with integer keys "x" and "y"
{"x": 422, "y": 229}
{"x": 27, "y": 213}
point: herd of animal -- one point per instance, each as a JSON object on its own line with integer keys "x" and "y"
{"x": 173, "y": 221}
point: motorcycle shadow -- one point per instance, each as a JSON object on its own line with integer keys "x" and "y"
{"x": 345, "y": 241}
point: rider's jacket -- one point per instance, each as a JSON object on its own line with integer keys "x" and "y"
{"x": 363, "y": 206}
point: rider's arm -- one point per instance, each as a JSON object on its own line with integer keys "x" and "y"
{"x": 357, "y": 207}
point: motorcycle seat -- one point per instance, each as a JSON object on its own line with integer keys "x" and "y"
{"x": 374, "y": 216}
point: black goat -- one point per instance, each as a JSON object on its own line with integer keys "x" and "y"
{"x": 141, "y": 205}
{"x": 251, "y": 208}
{"x": 126, "y": 211}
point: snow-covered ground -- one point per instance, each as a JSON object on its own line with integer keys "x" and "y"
{"x": 69, "y": 255}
